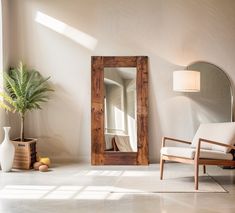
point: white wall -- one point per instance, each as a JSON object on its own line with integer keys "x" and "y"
{"x": 4, "y": 55}
{"x": 173, "y": 33}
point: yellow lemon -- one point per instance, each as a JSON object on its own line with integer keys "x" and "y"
{"x": 45, "y": 161}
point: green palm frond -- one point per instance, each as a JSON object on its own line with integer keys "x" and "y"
{"x": 6, "y": 100}
{"x": 26, "y": 89}
{"x": 5, "y": 106}
{"x": 6, "y": 97}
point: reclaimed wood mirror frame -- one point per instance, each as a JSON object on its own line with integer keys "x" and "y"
{"x": 98, "y": 155}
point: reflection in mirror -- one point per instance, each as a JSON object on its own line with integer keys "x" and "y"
{"x": 120, "y": 109}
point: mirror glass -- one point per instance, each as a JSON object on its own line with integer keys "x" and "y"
{"x": 120, "y": 104}
{"x": 214, "y": 101}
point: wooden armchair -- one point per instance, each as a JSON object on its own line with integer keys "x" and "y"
{"x": 204, "y": 150}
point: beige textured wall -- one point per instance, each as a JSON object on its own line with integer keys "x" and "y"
{"x": 5, "y": 54}
{"x": 173, "y": 33}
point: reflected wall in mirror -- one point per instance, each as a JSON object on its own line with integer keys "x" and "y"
{"x": 120, "y": 109}
{"x": 214, "y": 102}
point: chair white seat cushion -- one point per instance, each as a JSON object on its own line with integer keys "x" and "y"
{"x": 186, "y": 152}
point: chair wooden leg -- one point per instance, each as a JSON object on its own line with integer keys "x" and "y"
{"x": 204, "y": 169}
{"x": 196, "y": 175}
{"x": 161, "y": 168}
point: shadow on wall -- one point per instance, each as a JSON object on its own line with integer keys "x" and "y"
{"x": 188, "y": 112}
{"x": 154, "y": 125}
{"x": 56, "y": 137}
{"x": 206, "y": 111}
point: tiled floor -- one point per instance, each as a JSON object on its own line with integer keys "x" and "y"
{"x": 22, "y": 192}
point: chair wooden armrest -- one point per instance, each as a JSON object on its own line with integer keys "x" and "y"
{"x": 164, "y": 139}
{"x": 216, "y": 143}
{"x": 202, "y": 140}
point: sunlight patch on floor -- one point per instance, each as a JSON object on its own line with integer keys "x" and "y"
{"x": 60, "y": 192}
{"x": 108, "y": 173}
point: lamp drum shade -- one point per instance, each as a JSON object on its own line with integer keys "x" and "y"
{"x": 186, "y": 81}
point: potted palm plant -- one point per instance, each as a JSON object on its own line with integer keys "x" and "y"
{"x": 25, "y": 90}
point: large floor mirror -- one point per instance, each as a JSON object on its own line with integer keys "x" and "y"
{"x": 119, "y": 110}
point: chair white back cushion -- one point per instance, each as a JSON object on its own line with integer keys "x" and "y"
{"x": 219, "y": 132}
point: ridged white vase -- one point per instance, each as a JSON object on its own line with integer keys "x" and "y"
{"x": 7, "y": 152}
